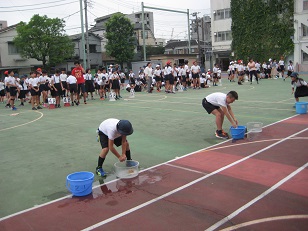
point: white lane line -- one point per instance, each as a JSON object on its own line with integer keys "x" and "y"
{"x": 186, "y": 185}
{"x": 265, "y": 193}
{"x": 187, "y": 169}
{"x": 155, "y": 166}
{"x": 267, "y": 219}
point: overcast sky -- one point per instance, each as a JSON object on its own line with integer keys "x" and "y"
{"x": 166, "y": 24}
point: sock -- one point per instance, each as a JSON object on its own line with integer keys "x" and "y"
{"x": 128, "y": 156}
{"x": 100, "y": 162}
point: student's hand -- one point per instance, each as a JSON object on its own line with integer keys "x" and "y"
{"x": 235, "y": 120}
{"x": 234, "y": 125}
{"x": 122, "y": 158}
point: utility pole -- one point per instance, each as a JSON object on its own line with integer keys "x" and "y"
{"x": 195, "y": 14}
{"x": 82, "y": 37}
{"x": 87, "y": 33}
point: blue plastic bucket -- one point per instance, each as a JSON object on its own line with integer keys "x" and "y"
{"x": 301, "y": 107}
{"x": 238, "y": 133}
{"x": 80, "y": 183}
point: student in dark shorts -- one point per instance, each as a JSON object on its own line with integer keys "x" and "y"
{"x": 113, "y": 132}
{"x": 218, "y": 104}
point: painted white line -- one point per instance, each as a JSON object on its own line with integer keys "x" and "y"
{"x": 265, "y": 193}
{"x": 284, "y": 100}
{"x": 4, "y": 129}
{"x": 155, "y": 166}
{"x": 268, "y": 219}
{"x": 188, "y": 185}
{"x": 187, "y": 169}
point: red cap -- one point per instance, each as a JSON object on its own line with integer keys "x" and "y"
{"x": 38, "y": 69}
{"x": 168, "y": 62}
{"x": 6, "y": 72}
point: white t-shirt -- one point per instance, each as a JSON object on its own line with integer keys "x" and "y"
{"x": 217, "y": 99}
{"x": 167, "y": 70}
{"x": 63, "y": 77}
{"x": 33, "y": 82}
{"x": 99, "y": 76}
{"x": 11, "y": 81}
{"x": 71, "y": 79}
{"x": 109, "y": 128}
{"x": 2, "y": 86}
{"x": 42, "y": 79}
{"x": 148, "y": 71}
{"x": 195, "y": 69}
{"x": 55, "y": 79}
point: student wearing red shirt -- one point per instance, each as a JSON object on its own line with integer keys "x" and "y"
{"x": 78, "y": 72}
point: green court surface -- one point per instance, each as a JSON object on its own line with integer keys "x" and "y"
{"x": 40, "y": 148}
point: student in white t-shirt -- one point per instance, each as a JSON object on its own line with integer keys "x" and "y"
{"x": 218, "y": 104}
{"x": 113, "y": 132}
{"x": 34, "y": 90}
{"x": 72, "y": 87}
{"x": 2, "y": 91}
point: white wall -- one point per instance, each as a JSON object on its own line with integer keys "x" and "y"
{"x": 300, "y": 42}
{"x": 13, "y": 60}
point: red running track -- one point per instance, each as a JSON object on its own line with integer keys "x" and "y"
{"x": 244, "y": 185}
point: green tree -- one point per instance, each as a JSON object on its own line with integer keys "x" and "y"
{"x": 121, "y": 41}
{"x": 262, "y": 29}
{"x": 43, "y": 38}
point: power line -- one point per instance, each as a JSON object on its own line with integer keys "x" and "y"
{"x": 2, "y": 11}
{"x": 32, "y": 4}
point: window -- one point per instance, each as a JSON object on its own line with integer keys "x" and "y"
{"x": 12, "y": 49}
{"x": 222, "y": 14}
{"x": 92, "y": 48}
{"x": 305, "y": 5}
{"x": 304, "y": 30}
{"x": 305, "y": 57}
{"x": 223, "y": 36}
{"x": 146, "y": 35}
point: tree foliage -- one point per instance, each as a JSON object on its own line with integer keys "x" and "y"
{"x": 262, "y": 29}
{"x": 153, "y": 50}
{"x": 120, "y": 36}
{"x": 43, "y": 38}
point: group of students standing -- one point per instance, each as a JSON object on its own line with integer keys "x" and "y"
{"x": 267, "y": 70}
{"x": 169, "y": 76}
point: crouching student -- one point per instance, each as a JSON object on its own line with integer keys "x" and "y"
{"x": 113, "y": 132}
{"x": 300, "y": 86}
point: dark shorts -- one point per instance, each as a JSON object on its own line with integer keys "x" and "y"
{"x": 33, "y": 92}
{"x": 103, "y": 139}
{"x": 13, "y": 91}
{"x": 81, "y": 88}
{"x": 64, "y": 84}
{"x": 43, "y": 87}
{"x": 171, "y": 79}
{"x": 208, "y": 106}
{"x": 22, "y": 94}
{"x": 2, "y": 92}
{"x": 73, "y": 88}
{"x": 301, "y": 91}
{"x": 195, "y": 75}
